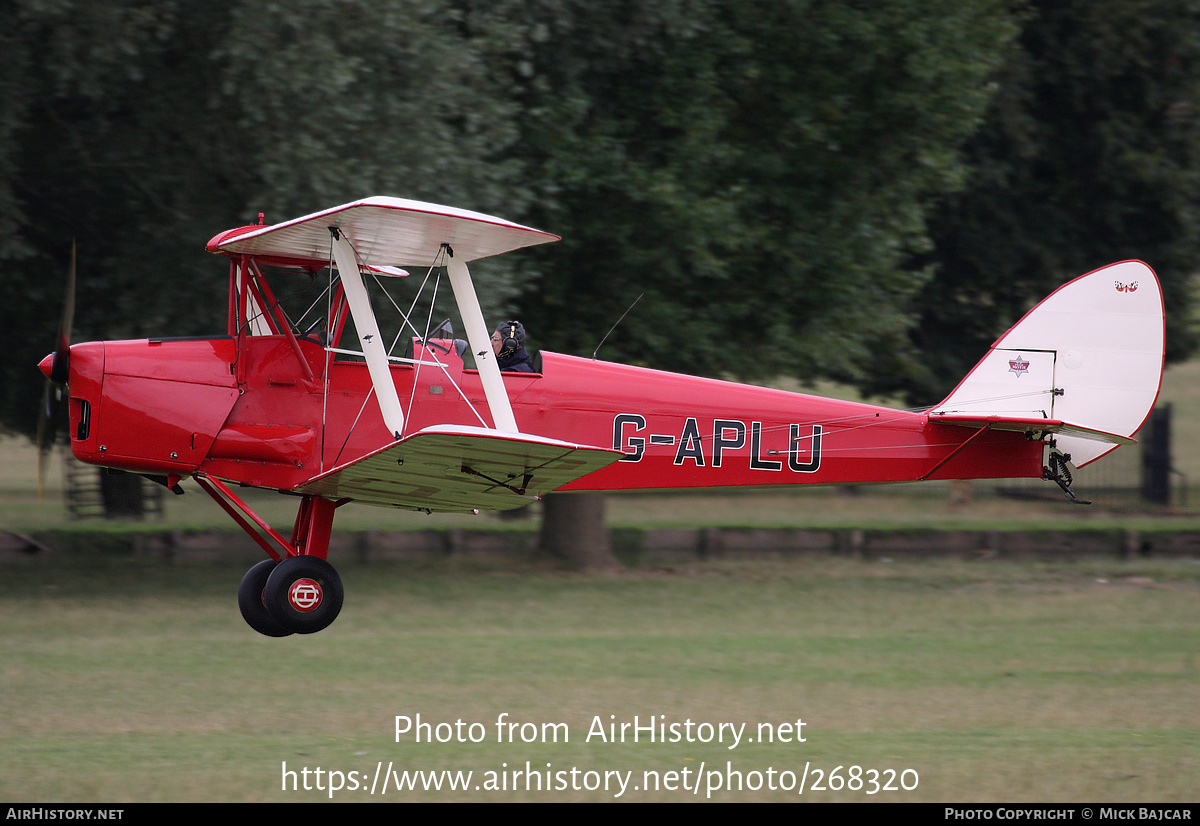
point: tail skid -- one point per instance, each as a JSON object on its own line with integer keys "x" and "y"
{"x": 1085, "y": 365}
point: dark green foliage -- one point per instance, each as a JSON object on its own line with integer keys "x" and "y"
{"x": 1088, "y": 156}
{"x": 143, "y": 129}
{"x": 765, "y": 172}
{"x": 113, "y": 140}
{"x": 761, "y": 170}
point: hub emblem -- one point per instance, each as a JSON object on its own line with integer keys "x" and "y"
{"x": 305, "y": 595}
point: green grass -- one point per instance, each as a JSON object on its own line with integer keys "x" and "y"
{"x": 127, "y": 680}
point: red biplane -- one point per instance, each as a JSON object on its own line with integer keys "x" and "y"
{"x": 292, "y": 406}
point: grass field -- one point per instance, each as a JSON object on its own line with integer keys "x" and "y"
{"x": 126, "y": 680}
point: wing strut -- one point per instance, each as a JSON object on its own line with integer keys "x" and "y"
{"x": 368, "y": 334}
{"x": 481, "y": 342}
{"x": 376, "y": 354}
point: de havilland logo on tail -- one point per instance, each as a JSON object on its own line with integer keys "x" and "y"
{"x": 1018, "y": 365}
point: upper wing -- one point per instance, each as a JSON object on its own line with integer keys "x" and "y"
{"x": 385, "y": 231}
{"x": 459, "y": 468}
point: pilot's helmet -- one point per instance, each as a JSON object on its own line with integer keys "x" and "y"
{"x": 512, "y": 336}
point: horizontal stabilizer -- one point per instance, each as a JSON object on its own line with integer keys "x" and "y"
{"x": 456, "y": 468}
{"x": 1030, "y": 425}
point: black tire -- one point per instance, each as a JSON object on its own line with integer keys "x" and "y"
{"x": 250, "y": 600}
{"x": 303, "y": 594}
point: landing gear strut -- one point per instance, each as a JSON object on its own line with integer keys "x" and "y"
{"x": 293, "y": 592}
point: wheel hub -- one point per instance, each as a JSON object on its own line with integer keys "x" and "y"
{"x": 305, "y": 595}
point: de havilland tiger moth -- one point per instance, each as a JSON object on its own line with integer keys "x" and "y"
{"x": 293, "y": 406}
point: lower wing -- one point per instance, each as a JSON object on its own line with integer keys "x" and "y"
{"x": 458, "y": 468}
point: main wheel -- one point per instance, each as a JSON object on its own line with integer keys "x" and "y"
{"x": 303, "y": 594}
{"x": 250, "y": 600}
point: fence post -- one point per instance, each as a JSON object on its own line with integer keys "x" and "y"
{"x": 1156, "y": 456}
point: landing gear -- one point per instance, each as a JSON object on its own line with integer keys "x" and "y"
{"x": 1060, "y": 473}
{"x": 303, "y": 594}
{"x": 250, "y": 600}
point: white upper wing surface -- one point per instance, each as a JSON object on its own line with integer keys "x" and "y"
{"x": 390, "y": 231}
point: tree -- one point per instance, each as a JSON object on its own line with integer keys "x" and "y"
{"x": 573, "y": 531}
{"x": 761, "y": 171}
{"x": 1088, "y": 155}
{"x": 143, "y": 129}
{"x": 100, "y": 151}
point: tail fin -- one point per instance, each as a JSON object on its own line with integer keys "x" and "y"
{"x": 1087, "y": 361}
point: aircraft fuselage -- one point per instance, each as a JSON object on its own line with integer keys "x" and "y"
{"x": 252, "y": 415}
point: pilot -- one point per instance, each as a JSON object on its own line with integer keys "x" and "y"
{"x": 508, "y": 343}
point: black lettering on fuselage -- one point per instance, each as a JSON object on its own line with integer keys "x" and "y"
{"x": 720, "y": 443}
{"x": 634, "y": 446}
{"x": 630, "y": 438}
{"x": 795, "y": 442}
{"x": 689, "y": 444}
{"x": 757, "y": 462}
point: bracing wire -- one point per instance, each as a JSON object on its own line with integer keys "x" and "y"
{"x": 406, "y": 323}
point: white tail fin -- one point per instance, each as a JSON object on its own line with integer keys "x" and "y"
{"x": 1090, "y": 355}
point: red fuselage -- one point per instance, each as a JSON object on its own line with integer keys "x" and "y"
{"x": 248, "y": 412}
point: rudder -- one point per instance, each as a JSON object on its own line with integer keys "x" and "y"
{"x": 1090, "y": 354}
